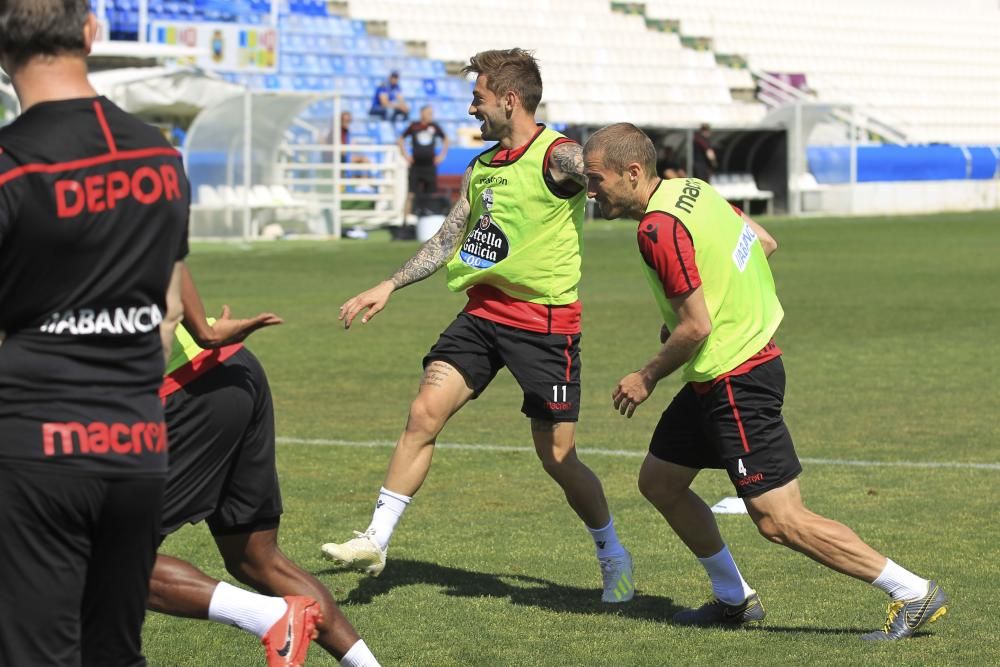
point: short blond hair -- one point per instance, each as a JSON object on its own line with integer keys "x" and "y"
{"x": 622, "y": 144}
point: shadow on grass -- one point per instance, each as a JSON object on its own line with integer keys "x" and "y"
{"x": 836, "y": 631}
{"x": 802, "y": 630}
{"x": 520, "y": 589}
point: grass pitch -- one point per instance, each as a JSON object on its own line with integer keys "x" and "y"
{"x": 890, "y": 347}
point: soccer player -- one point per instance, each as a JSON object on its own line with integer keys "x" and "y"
{"x": 93, "y": 227}
{"x": 513, "y": 241}
{"x": 707, "y": 265}
{"x": 222, "y": 469}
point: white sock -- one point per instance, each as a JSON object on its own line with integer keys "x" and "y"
{"x": 389, "y": 509}
{"x": 359, "y": 656}
{"x": 727, "y": 583}
{"x": 606, "y": 540}
{"x": 248, "y": 611}
{"x": 900, "y": 583}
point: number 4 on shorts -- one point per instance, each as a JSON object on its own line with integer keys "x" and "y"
{"x": 741, "y": 468}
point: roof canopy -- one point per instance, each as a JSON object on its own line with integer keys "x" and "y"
{"x": 172, "y": 90}
{"x": 216, "y": 146}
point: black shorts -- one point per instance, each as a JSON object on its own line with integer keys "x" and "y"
{"x": 222, "y": 468}
{"x": 546, "y": 366}
{"x": 737, "y": 425}
{"x": 76, "y": 553}
{"x": 423, "y": 178}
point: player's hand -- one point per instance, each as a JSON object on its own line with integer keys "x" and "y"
{"x": 409, "y": 160}
{"x": 373, "y": 299}
{"x": 664, "y": 334}
{"x": 631, "y": 392}
{"x": 227, "y": 330}
{"x": 438, "y": 159}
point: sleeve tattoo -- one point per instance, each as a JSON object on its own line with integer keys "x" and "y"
{"x": 439, "y": 248}
{"x": 568, "y": 159}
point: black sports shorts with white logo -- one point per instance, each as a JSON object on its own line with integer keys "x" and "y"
{"x": 222, "y": 469}
{"x": 546, "y": 366}
{"x": 76, "y": 552}
{"x": 737, "y": 425}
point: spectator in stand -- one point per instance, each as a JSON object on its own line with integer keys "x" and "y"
{"x": 667, "y": 165}
{"x": 388, "y": 102}
{"x": 423, "y": 157}
{"x": 705, "y": 162}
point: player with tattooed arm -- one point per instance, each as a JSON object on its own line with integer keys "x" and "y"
{"x": 512, "y": 241}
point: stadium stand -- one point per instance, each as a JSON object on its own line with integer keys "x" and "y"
{"x": 931, "y": 68}
{"x": 319, "y": 53}
{"x": 867, "y": 75}
{"x": 591, "y": 78}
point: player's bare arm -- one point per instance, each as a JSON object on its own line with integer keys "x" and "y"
{"x": 431, "y": 256}
{"x": 175, "y": 310}
{"x": 680, "y": 345}
{"x": 566, "y": 163}
{"x": 226, "y": 329}
{"x": 440, "y": 247}
{"x": 766, "y": 240}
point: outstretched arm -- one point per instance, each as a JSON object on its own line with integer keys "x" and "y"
{"x": 432, "y": 256}
{"x": 566, "y": 164}
{"x": 225, "y": 330}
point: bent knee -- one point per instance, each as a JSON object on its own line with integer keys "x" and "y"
{"x": 245, "y": 572}
{"x": 253, "y": 569}
{"x": 426, "y": 417}
{"x": 659, "y": 492}
{"x": 556, "y": 462}
{"x": 661, "y": 489}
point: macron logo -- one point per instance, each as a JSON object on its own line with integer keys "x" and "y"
{"x": 100, "y": 438}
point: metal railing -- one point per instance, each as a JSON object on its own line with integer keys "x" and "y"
{"x": 363, "y": 184}
{"x": 872, "y": 121}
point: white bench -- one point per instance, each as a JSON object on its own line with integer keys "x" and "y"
{"x": 742, "y": 189}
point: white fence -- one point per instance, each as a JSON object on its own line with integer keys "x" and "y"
{"x": 260, "y": 170}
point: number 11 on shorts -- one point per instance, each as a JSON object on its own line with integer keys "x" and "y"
{"x": 555, "y": 392}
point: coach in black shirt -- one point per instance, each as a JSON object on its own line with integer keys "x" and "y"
{"x": 93, "y": 226}
{"x": 423, "y": 157}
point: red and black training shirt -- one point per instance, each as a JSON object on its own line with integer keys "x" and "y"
{"x": 93, "y": 215}
{"x": 667, "y": 247}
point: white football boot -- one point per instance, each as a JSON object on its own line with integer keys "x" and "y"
{"x": 361, "y": 553}
{"x": 617, "y": 574}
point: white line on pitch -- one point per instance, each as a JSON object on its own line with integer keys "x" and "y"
{"x": 631, "y": 453}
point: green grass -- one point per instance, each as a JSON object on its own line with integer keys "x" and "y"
{"x": 890, "y": 347}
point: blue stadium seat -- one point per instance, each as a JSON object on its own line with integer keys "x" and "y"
{"x": 347, "y": 85}
{"x": 358, "y": 106}
{"x": 336, "y": 64}
{"x": 319, "y": 53}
